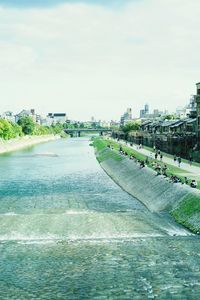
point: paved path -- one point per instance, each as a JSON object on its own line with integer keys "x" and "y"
{"x": 184, "y": 166}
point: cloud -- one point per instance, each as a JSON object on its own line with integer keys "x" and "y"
{"x": 93, "y": 60}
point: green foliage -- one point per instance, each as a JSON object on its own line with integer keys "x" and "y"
{"x": 56, "y": 128}
{"x": 41, "y": 130}
{"x": 131, "y": 126}
{"x": 82, "y": 125}
{"x": 186, "y": 209}
{"x": 17, "y": 130}
{"x": 170, "y": 117}
{"x": 27, "y": 124}
{"x": 9, "y": 130}
{"x": 103, "y": 152}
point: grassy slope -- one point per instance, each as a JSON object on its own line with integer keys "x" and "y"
{"x": 186, "y": 208}
{"x": 171, "y": 170}
{"x": 103, "y": 153}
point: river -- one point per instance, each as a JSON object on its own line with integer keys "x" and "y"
{"x": 67, "y": 231}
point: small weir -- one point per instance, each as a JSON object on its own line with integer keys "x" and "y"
{"x": 67, "y": 231}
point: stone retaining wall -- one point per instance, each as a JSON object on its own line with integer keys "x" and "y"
{"x": 19, "y": 143}
{"x": 155, "y": 192}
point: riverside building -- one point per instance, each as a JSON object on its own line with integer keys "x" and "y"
{"x": 198, "y": 114}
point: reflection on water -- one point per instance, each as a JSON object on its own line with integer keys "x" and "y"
{"x": 68, "y": 232}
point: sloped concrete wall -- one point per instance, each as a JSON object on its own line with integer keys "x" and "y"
{"x": 154, "y": 191}
{"x": 17, "y": 144}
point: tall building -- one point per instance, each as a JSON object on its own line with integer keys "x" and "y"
{"x": 198, "y": 113}
{"x": 126, "y": 117}
{"x": 129, "y": 113}
{"x": 144, "y": 111}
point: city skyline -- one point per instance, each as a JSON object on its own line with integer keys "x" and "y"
{"x": 73, "y": 56}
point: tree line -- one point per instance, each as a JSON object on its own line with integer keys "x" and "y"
{"x": 26, "y": 126}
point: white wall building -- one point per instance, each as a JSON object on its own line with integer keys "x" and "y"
{"x": 53, "y": 118}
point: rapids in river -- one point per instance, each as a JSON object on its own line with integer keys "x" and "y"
{"x": 67, "y": 231}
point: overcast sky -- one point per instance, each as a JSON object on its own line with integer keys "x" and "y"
{"x": 96, "y": 58}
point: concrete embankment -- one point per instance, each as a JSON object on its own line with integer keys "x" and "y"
{"x": 155, "y": 192}
{"x": 26, "y": 141}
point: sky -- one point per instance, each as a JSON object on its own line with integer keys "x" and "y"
{"x": 96, "y": 58}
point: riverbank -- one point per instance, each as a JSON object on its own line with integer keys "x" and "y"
{"x": 26, "y": 141}
{"x": 155, "y": 192}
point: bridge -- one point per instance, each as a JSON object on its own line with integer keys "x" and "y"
{"x": 78, "y": 131}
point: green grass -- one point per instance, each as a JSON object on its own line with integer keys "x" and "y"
{"x": 185, "y": 211}
{"x": 101, "y": 144}
{"x": 103, "y": 152}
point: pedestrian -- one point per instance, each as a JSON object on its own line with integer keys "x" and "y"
{"x": 186, "y": 180}
{"x": 190, "y": 160}
{"x": 154, "y": 148}
{"x": 158, "y": 169}
{"x": 193, "y": 183}
{"x": 156, "y": 156}
{"x": 164, "y": 170}
{"x": 179, "y": 161}
{"x": 161, "y": 156}
{"x": 142, "y": 164}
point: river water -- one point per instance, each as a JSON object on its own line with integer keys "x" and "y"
{"x": 67, "y": 231}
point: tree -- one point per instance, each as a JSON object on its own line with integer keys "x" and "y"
{"x": 17, "y": 130}
{"x": 82, "y": 125}
{"x": 57, "y": 128}
{"x": 170, "y": 117}
{"x": 9, "y": 130}
{"x": 27, "y": 124}
{"x": 131, "y": 126}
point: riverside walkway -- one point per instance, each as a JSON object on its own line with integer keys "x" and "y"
{"x": 193, "y": 169}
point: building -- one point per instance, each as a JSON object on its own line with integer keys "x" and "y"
{"x": 126, "y": 117}
{"x": 53, "y": 118}
{"x": 146, "y": 109}
{"x": 144, "y": 112}
{"x": 191, "y": 109}
{"x": 26, "y": 113}
{"x": 197, "y": 98}
{"x": 8, "y": 115}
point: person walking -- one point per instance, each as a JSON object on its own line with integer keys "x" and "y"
{"x": 151, "y": 155}
{"x": 179, "y": 161}
{"x": 156, "y": 156}
{"x": 190, "y": 160}
{"x": 164, "y": 170}
{"x": 161, "y": 156}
